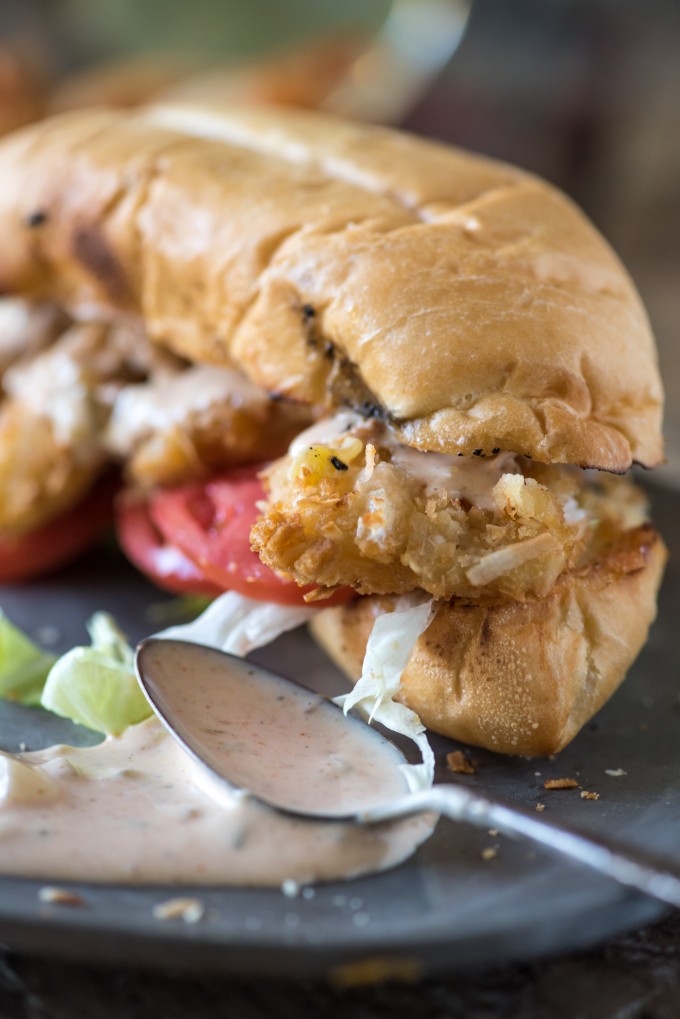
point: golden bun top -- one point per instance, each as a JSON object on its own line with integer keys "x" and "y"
{"x": 467, "y": 301}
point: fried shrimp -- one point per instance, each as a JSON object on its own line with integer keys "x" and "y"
{"x": 365, "y": 512}
{"x": 50, "y": 423}
{"x": 189, "y": 422}
{"x": 84, "y": 396}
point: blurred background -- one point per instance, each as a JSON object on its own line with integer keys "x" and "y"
{"x": 583, "y": 92}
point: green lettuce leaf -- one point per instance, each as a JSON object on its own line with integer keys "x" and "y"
{"x": 23, "y": 665}
{"x": 96, "y": 686}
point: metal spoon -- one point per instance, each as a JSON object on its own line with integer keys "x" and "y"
{"x": 295, "y": 751}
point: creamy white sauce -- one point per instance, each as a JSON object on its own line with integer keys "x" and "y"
{"x": 288, "y": 745}
{"x": 168, "y": 399}
{"x": 471, "y": 478}
{"x": 326, "y": 431}
{"x": 56, "y": 385}
{"x": 25, "y": 328}
{"x": 138, "y": 809}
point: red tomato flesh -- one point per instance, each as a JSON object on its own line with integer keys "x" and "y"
{"x": 163, "y": 563}
{"x": 211, "y": 524}
{"x": 61, "y": 539}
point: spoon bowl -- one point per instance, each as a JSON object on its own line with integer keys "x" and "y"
{"x": 267, "y": 737}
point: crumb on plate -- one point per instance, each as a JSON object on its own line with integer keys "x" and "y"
{"x": 457, "y": 762}
{"x": 188, "y": 910}
{"x": 60, "y": 896}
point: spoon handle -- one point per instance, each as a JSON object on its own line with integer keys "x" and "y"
{"x": 634, "y": 868}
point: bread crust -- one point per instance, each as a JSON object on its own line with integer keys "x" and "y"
{"x": 467, "y": 301}
{"x": 520, "y": 677}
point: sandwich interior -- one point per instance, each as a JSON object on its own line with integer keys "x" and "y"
{"x": 345, "y": 509}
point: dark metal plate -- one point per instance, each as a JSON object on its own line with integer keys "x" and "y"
{"x": 445, "y": 909}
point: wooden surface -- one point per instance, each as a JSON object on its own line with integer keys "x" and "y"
{"x": 634, "y": 977}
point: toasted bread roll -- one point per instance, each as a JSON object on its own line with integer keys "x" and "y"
{"x": 469, "y": 303}
{"x": 520, "y": 677}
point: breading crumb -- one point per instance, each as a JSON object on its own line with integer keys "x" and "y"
{"x": 615, "y": 772}
{"x": 60, "y": 896}
{"x": 585, "y": 795}
{"x": 560, "y": 783}
{"x": 458, "y": 763}
{"x": 489, "y": 853}
{"x": 540, "y": 807}
{"x": 188, "y": 910}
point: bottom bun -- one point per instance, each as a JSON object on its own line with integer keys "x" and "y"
{"x": 520, "y": 677}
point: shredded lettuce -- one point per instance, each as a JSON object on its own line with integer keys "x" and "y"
{"x": 389, "y": 648}
{"x": 238, "y": 625}
{"x": 23, "y": 665}
{"x": 96, "y": 686}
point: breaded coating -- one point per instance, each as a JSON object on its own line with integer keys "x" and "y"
{"x": 26, "y": 329}
{"x": 195, "y": 421}
{"x": 80, "y": 396}
{"x": 385, "y": 520}
{"x": 39, "y": 477}
{"x": 49, "y": 427}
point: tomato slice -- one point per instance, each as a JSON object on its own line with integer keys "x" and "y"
{"x": 163, "y": 563}
{"x": 211, "y": 524}
{"x": 61, "y": 539}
